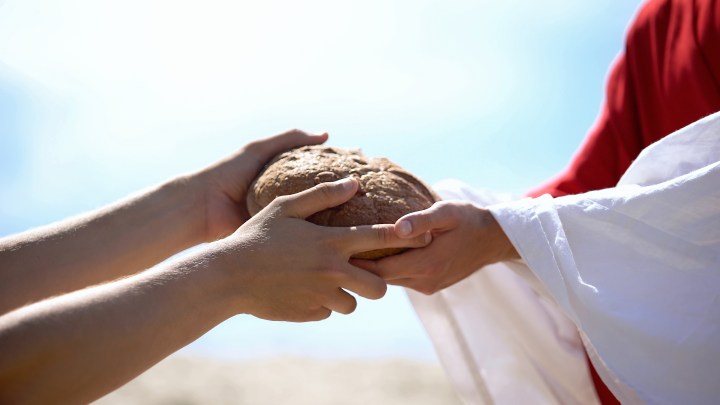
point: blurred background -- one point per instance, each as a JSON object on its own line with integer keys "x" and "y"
{"x": 101, "y": 99}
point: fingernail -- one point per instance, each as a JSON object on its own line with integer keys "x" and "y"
{"x": 404, "y": 228}
{"x": 428, "y": 237}
{"x": 347, "y": 183}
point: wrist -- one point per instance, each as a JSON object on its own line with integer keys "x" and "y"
{"x": 229, "y": 276}
{"x": 496, "y": 245}
{"x": 212, "y": 275}
{"x": 190, "y": 193}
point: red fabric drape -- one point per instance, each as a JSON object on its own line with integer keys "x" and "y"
{"x": 667, "y": 77}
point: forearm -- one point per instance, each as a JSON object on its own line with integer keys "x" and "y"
{"x": 79, "y": 346}
{"x": 104, "y": 245}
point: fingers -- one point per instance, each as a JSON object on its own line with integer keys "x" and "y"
{"x": 441, "y": 215}
{"x": 347, "y": 277}
{"x": 341, "y": 302}
{"x": 421, "y": 286}
{"x": 362, "y": 283}
{"x": 318, "y": 198}
{"x": 358, "y": 239}
{"x": 410, "y": 264}
{"x": 269, "y": 147}
{"x": 316, "y": 315}
{"x": 406, "y": 272}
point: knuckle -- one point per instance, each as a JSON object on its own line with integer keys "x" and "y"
{"x": 329, "y": 272}
{"x": 259, "y": 149}
{"x": 281, "y": 200}
{"x": 328, "y": 242}
{"x": 451, "y": 209}
{"x": 326, "y": 190}
{"x": 465, "y": 206}
{"x": 384, "y": 234}
{"x": 431, "y": 215}
{"x": 252, "y": 147}
{"x": 442, "y": 206}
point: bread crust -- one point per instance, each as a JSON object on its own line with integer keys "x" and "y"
{"x": 386, "y": 191}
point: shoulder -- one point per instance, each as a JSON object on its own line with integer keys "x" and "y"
{"x": 658, "y": 20}
{"x": 661, "y": 21}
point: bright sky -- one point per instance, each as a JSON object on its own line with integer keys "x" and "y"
{"x": 102, "y": 98}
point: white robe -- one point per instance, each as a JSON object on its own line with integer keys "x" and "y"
{"x": 636, "y": 268}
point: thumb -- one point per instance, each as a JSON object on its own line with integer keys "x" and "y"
{"x": 439, "y": 216}
{"x": 318, "y": 198}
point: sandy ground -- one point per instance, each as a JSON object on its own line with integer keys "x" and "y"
{"x": 187, "y": 380}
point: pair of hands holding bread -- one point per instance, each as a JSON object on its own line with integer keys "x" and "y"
{"x": 430, "y": 267}
{"x": 450, "y": 239}
{"x": 387, "y": 193}
{"x": 85, "y": 306}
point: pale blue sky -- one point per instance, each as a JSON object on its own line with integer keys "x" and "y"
{"x": 100, "y": 99}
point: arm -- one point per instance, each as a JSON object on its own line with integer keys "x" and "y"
{"x": 664, "y": 80}
{"x": 135, "y": 233}
{"x": 277, "y": 266}
{"x": 454, "y": 225}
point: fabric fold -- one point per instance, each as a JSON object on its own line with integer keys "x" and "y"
{"x": 636, "y": 268}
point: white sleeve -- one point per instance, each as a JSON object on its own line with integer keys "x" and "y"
{"x": 637, "y": 268}
{"x": 499, "y": 340}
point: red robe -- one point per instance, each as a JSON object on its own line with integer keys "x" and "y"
{"x": 667, "y": 77}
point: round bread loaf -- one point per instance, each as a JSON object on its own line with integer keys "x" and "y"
{"x": 386, "y": 191}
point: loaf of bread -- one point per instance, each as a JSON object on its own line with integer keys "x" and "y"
{"x": 386, "y": 191}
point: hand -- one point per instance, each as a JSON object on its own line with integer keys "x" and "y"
{"x": 224, "y": 185}
{"x": 137, "y": 232}
{"x": 464, "y": 239}
{"x": 296, "y": 271}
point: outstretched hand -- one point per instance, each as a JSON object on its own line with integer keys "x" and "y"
{"x": 276, "y": 266}
{"x": 224, "y": 185}
{"x": 298, "y": 271}
{"x": 464, "y": 239}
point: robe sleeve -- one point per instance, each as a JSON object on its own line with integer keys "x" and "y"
{"x": 637, "y": 267}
